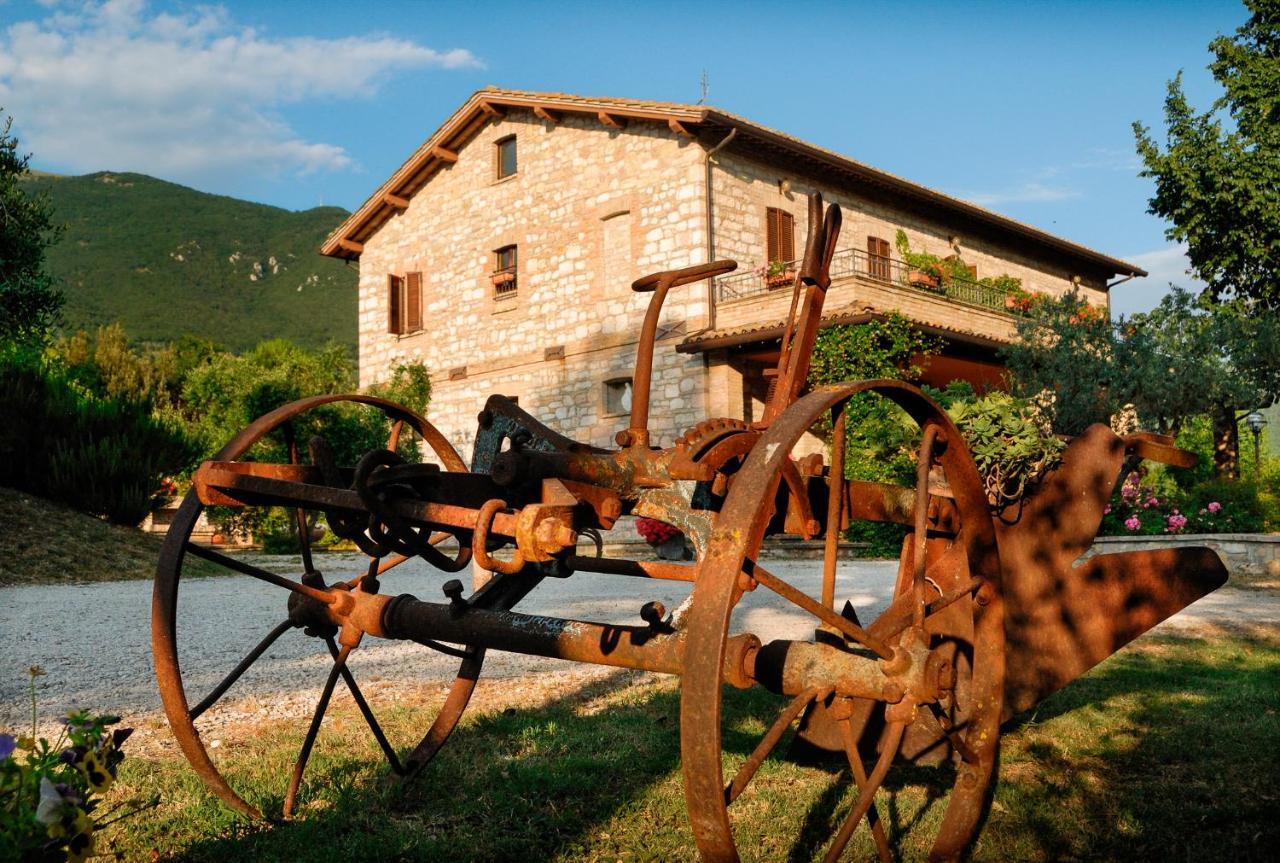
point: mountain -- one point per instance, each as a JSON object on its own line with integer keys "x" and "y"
{"x": 166, "y": 260}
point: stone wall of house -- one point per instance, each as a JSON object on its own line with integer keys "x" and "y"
{"x": 590, "y": 209}
{"x": 743, "y": 188}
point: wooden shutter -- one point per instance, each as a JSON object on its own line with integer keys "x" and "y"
{"x": 878, "y": 258}
{"x": 395, "y": 317}
{"x": 780, "y": 235}
{"x": 413, "y": 302}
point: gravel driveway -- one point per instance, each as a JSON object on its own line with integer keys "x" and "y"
{"x": 93, "y": 640}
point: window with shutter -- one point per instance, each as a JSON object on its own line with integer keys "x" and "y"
{"x": 878, "y": 258}
{"x": 395, "y": 318}
{"x": 413, "y": 302}
{"x": 780, "y": 235}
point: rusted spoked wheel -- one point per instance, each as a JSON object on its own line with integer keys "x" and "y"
{"x": 295, "y": 594}
{"x": 946, "y": 618}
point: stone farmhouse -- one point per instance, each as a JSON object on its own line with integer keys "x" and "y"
{"x": 502, "y": 252}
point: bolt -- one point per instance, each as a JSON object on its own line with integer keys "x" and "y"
{"x": 653, "y": 613}
{"x": 453, "y": 589}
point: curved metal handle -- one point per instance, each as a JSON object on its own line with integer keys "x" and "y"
{"x": 683, "y": 276}
{"x": 659, "y": 283}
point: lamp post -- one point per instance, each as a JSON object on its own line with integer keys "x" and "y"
{"x": 1255, "y": 421}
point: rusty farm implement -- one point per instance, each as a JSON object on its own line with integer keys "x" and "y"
{"x": 990, "y": 614}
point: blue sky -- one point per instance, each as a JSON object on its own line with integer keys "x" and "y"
{"x": 1023, "y": 107}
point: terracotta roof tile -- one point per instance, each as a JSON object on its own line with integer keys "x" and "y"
{"x": 374, "y": 207}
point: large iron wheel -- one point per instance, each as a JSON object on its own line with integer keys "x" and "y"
{"x": 949, "y": 603}
{"x": 297, "y": 592}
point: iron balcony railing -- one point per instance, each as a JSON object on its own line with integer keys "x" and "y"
{"x": 848, "y": 263}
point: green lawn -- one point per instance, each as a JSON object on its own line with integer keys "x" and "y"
{"x": 1167, "y": 751}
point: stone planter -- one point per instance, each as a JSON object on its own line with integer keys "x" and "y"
{"x": 1243, "y": 553}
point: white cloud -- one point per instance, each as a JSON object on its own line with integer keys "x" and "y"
{"x": 185, "y": 96}
{"x": 1164, "y": 266}
{"x": 1030, "y": 192}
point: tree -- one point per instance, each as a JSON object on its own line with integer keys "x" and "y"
{"x": 1065, "y": 360}
{"x": 1220, "y": 186}
{"x": 30, "y": 302}
{"x": 1194, "y": 357}
{"x": 1188, "y": 357}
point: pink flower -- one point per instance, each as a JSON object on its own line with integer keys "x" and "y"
{"x": 1133, "y": 523}
{"x": 1215, "y": 507}
{"x": 1151, "y": 502}
{"x": 1107, "y": 510}
{"x": 1175, "y": 522}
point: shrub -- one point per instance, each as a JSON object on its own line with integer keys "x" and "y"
{"x": 1149, "y": 503}
{"x": 1010, "y": 441}
{"x": 106, "y": 456}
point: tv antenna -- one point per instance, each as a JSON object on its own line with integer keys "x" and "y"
{"x": 705, "y": 84}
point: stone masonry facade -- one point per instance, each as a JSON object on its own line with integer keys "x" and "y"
{"x": 590, "y": 207}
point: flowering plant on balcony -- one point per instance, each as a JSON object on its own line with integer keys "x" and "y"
{"x": 776, "y": 273}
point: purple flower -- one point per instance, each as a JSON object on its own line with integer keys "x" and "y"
{"x": 1152, "y": 501}
{"x": 1215, "y": 507}
{"x": 7, "y": 744}
{"x": 1133, "y": 523}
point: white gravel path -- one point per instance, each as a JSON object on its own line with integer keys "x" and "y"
{"x": 93, "y": 640}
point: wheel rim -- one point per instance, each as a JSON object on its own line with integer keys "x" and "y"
{"x": 164, "y": 609}
{"x": 735, "y": 542}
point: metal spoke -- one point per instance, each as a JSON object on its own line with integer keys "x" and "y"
{"x": 261, "y": 574}
{"x": 771, "y": 737}
{"x": 893, "y": 739}
{"x": 835, "y": 509}
{"x": 796, "y": 597}
{"x": 250, "y": 658}
{"x": 860, "y": 779}
{"x": 310, "y": 740}
{"x": 369, "y": 718}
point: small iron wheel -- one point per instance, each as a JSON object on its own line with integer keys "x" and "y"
{"x": 949, "y": 606}
{"x": 178, "y": 546}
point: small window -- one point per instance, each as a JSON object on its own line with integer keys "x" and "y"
{"x": 504, "y": 273}
{"x": 780, "y": 235}
{"x": 617, "y": 397}
{"x": 404, "y": 303}
{"x": 506, "y": 156}
{"x": 878, "y": 258}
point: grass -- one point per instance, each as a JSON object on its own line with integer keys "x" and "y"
{"x": 1167, "y": 751}
{"x": 42, "y": 542}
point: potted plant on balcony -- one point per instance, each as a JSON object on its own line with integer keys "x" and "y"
{"x": 923, "y": 269}
{"x": 502, "y": 277}
{"x": 776, "y": 274}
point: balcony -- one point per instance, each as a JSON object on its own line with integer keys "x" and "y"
{"x": 888, "y": 271}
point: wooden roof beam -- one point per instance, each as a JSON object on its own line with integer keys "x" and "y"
{"x": 350, "y": 246}
{"x": 679, "y": 128}
{"x": 613, "y": 122}
{"x": 444, "y": 155}
{"x": 395, "y": 201}
{"x": 543, "y": 114}
{"x": 493, "y": 111}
